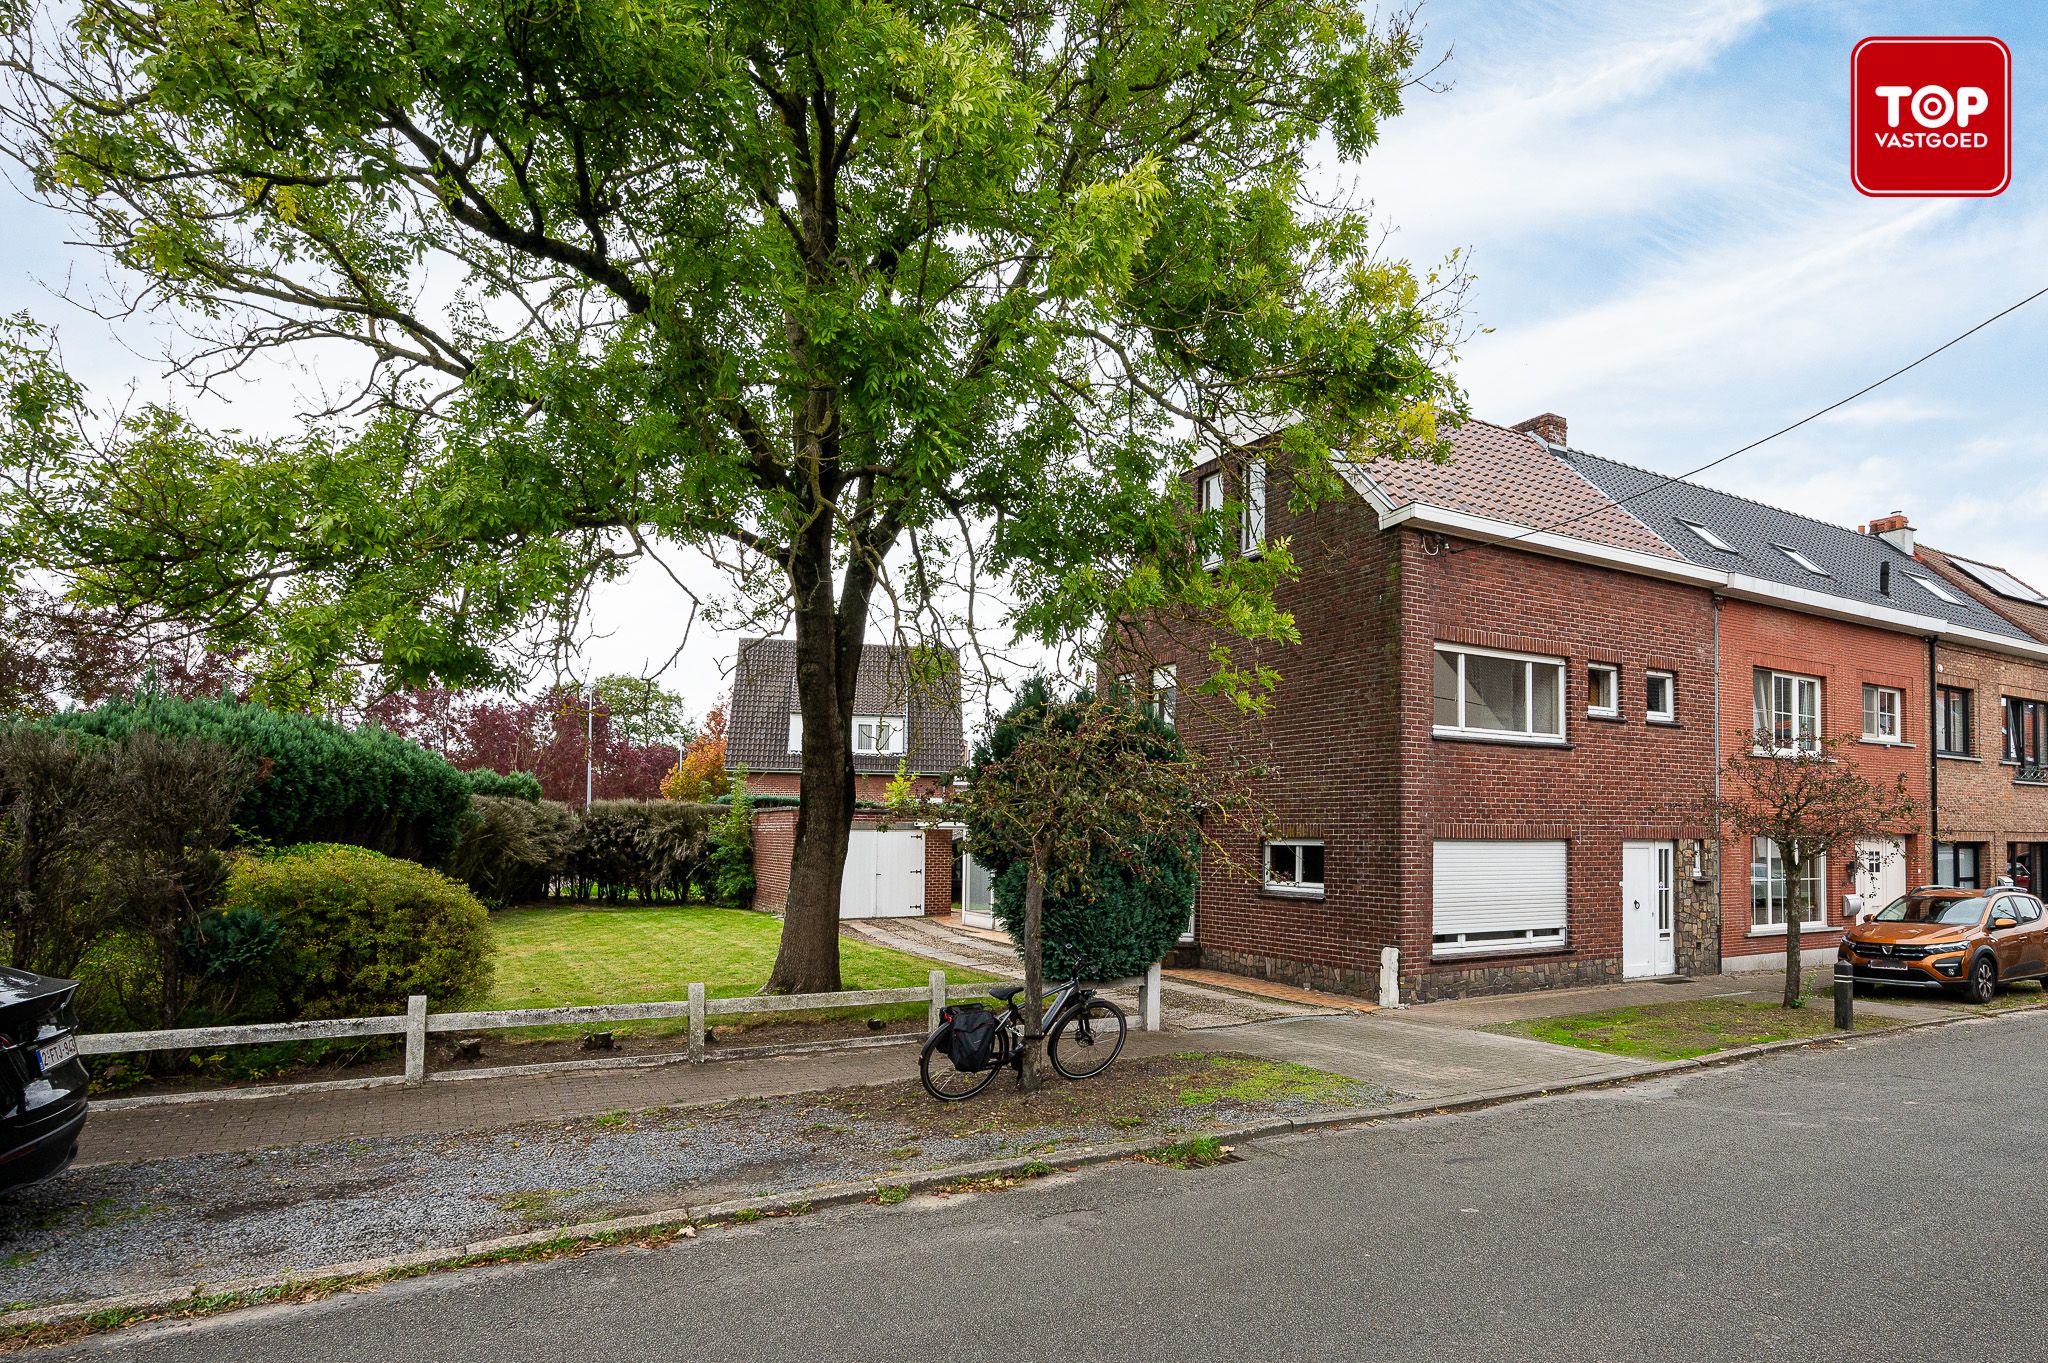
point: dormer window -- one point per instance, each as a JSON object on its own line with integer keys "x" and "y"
{"x": 1802, "y": 560}
{"x": 873, "y": 735}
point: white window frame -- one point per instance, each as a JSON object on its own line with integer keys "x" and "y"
{"x": 1164, "y": 702}
{"x": 1802, "y": 560}
{"x": 1210, "y": 490}
{"x": 1872, "y": 691}
{"x": 1939, "y": 591}
{"x": 1802, "y": 743}
{"x": 1300, "y": 889}
{"x": 1612, "y": 709}
{"x": 1774, "y": 908}
{"x": 897, "y": 731}
{"x": 1669, "y": 714}
{"x": 1526, "y": 735}
{"x": 1513, "y": 937}
{"x": 1709, "y": 538}
{"x": 796, "y": 733}
{"x": 1252, "y": 533}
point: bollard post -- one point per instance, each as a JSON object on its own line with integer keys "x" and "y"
{"x": 1390, "y": 977}
{"x": 416, "y": 1040}
{"x": 696, "y": 1024}
{"x": 931, "y": 1012}
{"x": 1149, "y": 1003}
{"x": 1845, "y": 996}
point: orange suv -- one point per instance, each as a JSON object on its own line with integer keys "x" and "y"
{"x": 1966, "y": 941}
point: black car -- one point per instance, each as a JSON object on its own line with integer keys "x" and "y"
{"x": 42, "y": 1081}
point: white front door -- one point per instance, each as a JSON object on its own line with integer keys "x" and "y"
{"x": 884, "y": 875}
{"x": 1880, "y": 871}
{"x": 1648, "y": 939}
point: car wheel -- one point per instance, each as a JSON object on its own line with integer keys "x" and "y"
{"x": 1983, "y": 979}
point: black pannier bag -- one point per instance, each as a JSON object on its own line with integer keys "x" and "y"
{"x": 972, "y": 1039}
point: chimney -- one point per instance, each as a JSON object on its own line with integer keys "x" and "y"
{"x": 1894, "y": 530}
{"x": 1549, "y": 428}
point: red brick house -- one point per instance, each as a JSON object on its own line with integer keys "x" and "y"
{"x": 892, "y": 870}
{"x": 1518, "y": 675}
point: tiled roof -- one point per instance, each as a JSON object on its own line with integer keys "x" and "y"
{"x": 1755, "y": 533}
{"x": 764, "y": 696}
{"x": 1513, "y": 477}
{"x": 2029, "y": 617}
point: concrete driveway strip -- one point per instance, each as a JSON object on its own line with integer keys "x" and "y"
{"x": 1853, "y": 1201}
{"x": 1425, "y": 1061}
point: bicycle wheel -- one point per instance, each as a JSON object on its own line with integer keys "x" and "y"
{"x": 941, "y": 1080}
{"x": 1087, "y": 1039}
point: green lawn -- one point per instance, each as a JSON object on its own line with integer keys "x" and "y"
{"x": 552, "y": 957}
{"x": 1681, "y": 1030}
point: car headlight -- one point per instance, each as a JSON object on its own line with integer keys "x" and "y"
{"x": 1946, "y": 948}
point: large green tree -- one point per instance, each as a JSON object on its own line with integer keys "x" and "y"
{"x": 864, "y": 298}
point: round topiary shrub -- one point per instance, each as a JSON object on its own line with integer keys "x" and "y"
{"x": 360, "y": 931}
{"x": 1122, "y": 928}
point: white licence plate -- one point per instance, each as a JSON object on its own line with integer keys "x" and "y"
{"x": 64, "y": 1048}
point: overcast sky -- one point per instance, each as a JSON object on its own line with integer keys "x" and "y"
{"x": 1668, "y": 251}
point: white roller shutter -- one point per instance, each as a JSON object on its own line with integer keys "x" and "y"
{"x": 1491, "y": 896}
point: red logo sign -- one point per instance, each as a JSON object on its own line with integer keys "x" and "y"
{"x": 1930, "y": 117}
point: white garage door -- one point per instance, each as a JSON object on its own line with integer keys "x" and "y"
{"x": 884, "y": 876}
{"x": 1496, "y": 896}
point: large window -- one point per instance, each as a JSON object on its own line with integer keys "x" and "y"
{"x": 1295, "y": 866}
{"x": 1498, "y": 896}
{"x": 1254, "y": 537}
{"x": 1511, "y": 696}
{"x": 1960, "y": 864}
{"x": 1770, "y": 893}
{"x": 1952, "y": 720}
{"x": 1788, "y": 712}
{"x": 2026, "y": 732}
{"x": 1882, "y": 707}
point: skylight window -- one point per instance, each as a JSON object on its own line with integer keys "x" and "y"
{"x": 2002, "y": 582}
{"x": 1802, "y": 560}
{"x": 1935, "y": 589}
{"x": 1712, "y": 540}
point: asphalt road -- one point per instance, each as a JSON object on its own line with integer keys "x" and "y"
{"x": 1874, "y": 1201}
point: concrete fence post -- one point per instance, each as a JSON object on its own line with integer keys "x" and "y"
{"x": 416, "y": 1039}
{"x": 1390, "y": 977}
{"x": 1148, "y": 998}
{"x": 696, "y": 1024}
{"x": 931, "y": 1013}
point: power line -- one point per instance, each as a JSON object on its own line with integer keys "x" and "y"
{"x": 1667, "y": 481}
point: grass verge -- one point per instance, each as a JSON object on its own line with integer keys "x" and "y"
{"x": 1684, "y": 1029}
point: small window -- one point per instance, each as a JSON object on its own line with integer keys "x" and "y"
{"x": 1882, "y": 706}
{"x": 878, "y": 735}
{"x": 1165, "y": 701}
{"x": 1603, "y": 690}
{"x": 1660, "y": 697}
{"x": 1295, "y": 866}
{"x": 1212, "y": 502}
{"x": 1936, "y": 590}
{"x": 1787, "y": 713}
{"x": 1802, "y": 560}
{"x": 796, "y": 733}
{"x": 1512, "y": 696}
{"x": 1952, "y": 721}
{"x": 1253, "y": 538}
{"x": 1712, "y": 540}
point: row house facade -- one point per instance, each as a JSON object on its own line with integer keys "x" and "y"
{"x": 1519, "y": 674}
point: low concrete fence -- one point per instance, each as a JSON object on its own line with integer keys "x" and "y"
{"x": 416, "y": 1024}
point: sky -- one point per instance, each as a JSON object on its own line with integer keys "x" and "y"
{"x": 1667, "y": 250}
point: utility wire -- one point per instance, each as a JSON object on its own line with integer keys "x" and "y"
{"x": 1783, "y": 430}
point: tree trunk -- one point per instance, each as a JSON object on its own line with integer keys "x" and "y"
{"x": 1795, "y": 914}
{"x": 1031, "y": 1072}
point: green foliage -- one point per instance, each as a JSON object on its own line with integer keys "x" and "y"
{"x": 513, "y": 850}
{"x": 641, "y": 849}
{"x": 1127, "y": 922}
{"x": 318, "y": 780}
{"x": 232, "y": 944}
{"x": 362, "y": 931}
{"x": 518, "y": 785}
{"x": 732, "y": 848}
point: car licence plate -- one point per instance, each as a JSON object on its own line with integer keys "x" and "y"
{"x": 63, "y": 1049}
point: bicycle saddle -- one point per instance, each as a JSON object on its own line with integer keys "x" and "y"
{"x": 1008, "y": 994}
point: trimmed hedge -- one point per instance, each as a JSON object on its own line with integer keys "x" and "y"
{"x": 318, "y": 781}
{"x": 360, "y": 931}
{"x": 641, "y": 849}
{"x": 517, "y": 785}
{"x": 514, "y": 850}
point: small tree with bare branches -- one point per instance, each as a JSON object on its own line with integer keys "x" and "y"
{"x": 1810, "y": 803}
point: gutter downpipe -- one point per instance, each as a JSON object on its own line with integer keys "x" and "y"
{"x": 1720, "y": 850}
{"x": 1933, "y": 761}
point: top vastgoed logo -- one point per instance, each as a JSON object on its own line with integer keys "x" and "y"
{"x": 1930, "y": 117}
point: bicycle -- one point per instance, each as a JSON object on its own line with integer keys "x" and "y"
{"x": 1084, "y": 1033}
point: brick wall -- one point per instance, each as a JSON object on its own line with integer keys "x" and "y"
{"x": 1976, "y": 797}
{"x": 866, "y": 785}
{"x": 1353, "y": 761}
{"x": 1845, "y": 657}
{"x": 775, "y": 846}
